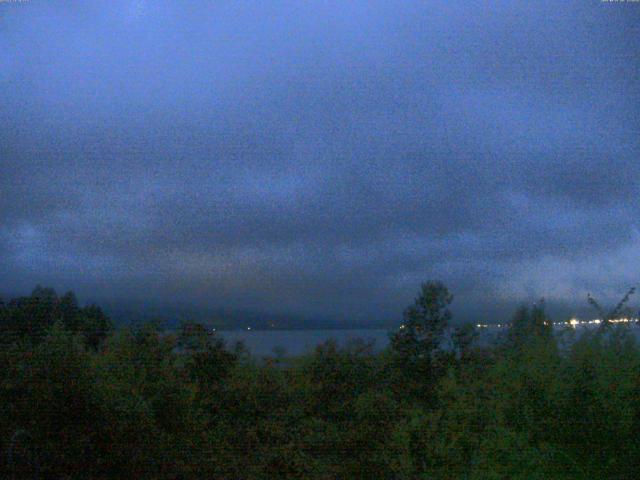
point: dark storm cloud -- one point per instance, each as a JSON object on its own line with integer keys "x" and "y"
{"x": 320, "y": 157}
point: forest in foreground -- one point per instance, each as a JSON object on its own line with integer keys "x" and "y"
{"x": 80, "y": 399}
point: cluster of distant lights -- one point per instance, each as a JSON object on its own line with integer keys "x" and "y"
{"x": 574, "y": 322}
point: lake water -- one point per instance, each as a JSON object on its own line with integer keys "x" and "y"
{"x": 298, "y": 342}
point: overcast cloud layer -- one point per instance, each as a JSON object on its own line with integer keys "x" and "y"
{"x": 320, "y": 157}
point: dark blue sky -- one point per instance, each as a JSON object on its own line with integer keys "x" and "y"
{"x": 320, "y": 157}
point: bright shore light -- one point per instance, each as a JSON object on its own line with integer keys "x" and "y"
{"x": 574, "y": 322}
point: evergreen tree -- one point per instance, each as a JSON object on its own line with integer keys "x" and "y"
{"x": 529, "y": 325}
{"x": 424, "y": 322}
{"x": 416, "y": 345}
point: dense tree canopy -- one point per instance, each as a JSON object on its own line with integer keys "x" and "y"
{"x": 79, "y": 399}
{"x": 28, "y": 318}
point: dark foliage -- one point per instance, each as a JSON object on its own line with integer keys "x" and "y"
{"x": 80, "y": 400}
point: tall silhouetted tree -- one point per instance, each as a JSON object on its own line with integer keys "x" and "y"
{"x": 424, "y": 322}
{"x": 463, "y": 338}
{"x": 529, "y": 325}
{"x": 416, "y": 344}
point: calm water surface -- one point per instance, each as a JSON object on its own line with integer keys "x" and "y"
{"x": 298, "y": 342}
